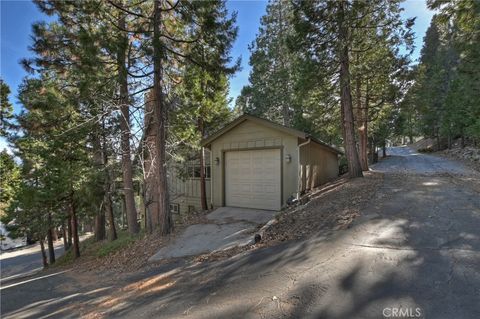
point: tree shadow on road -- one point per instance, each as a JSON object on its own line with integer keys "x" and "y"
{"x": 397, "y": 256}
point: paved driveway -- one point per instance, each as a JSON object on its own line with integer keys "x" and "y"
{"x": 414, "y": 249}
{"x": 228, "y": 227}
{"x": 408, "y": 161}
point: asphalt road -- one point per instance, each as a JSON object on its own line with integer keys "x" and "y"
{"x": 414, "y": 251}
{"x": 27, "y": 260}
{"x": 24, "y": 260}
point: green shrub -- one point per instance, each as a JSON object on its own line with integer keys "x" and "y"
{"x": 124, "y": 239}
{"x": 91, "y": 248}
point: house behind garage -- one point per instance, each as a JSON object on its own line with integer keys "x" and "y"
{"x": 184, "y": 185}
{"x": 257, "y": 163}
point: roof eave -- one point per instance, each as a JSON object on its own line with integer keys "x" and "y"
{"x": 334, "y": 149}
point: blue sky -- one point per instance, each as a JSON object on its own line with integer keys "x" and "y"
{"x": 17, "y": 17}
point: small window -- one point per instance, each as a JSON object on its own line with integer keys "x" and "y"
{"x": 207, "y": 171}
{"x": 195, "y": 170}
{"x": 175, "y": 208}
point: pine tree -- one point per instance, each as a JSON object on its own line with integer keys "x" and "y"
{"x": 170, "y": 34}
{"x": 380, "y": 75}
{"x": 338, "y": 37}
{"x": 10, "y": 179}
{"x": 270, "y": 92}
{"x": 6, "y": 109}
{"x": 445, "y": 91}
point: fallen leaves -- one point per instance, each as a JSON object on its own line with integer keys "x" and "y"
{"x": 134, "y": 256}
{"x": 332, "y": 207}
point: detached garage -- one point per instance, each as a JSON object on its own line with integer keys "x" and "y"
{"x": 259, "y": 164}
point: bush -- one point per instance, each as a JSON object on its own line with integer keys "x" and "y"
{"x": 124, "y": 239}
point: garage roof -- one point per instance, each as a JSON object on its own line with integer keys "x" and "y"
{"x": 247, "y": 117}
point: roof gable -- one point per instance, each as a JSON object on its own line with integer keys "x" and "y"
{"x": 246, "y": 117}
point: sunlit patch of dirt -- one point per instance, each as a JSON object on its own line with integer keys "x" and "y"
{"x": 93, "y": 316}
{"x": 122, "y": 297}
{"x": 152, "y": 284}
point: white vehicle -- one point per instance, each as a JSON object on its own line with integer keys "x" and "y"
{"x": 10, "y": 243}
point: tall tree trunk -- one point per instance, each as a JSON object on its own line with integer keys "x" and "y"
{"x": 143, "y": 207}
{"x": 112, "y": 231}
{"x": 51, "y": 249}
{"x": 283, "y": 50}
{"x": 203, "y": 188}
{"x": 64, "y": 235}
{"x": 107, "y": 190}
{"x": 69, "y": 231}
{"x": 74, "y": 227}
{"x": 165, "y": 216}
{"x": 348, "y": 130}
{"x": 100, "y": 224}
{"x": 361, "y": 126}
{"x": 364, "y": 138}
{"x": 125, "y": 132}
{"x": 99, "y": 221}
{"x": 150, "y": 166}
{"x": 203, "y": 192}
{"x": 44, "y": 253}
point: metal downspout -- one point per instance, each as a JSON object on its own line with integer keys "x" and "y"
{"x": 211, "y": 178}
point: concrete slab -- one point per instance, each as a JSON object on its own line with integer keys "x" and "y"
{"x": 228, "y": 214}
{"x": 230, "y": 227}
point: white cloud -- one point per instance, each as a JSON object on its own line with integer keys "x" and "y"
{"x": 4, "y": 146}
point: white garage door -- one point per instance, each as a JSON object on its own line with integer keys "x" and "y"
{"x": 252, "y": 179}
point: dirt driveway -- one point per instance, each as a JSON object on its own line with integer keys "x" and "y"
{"x": 414, "y": 250}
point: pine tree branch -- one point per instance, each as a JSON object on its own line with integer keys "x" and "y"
{"x": 172, "y": 6}
{"x": 127, "y": 11}
{"x": 137, "y": 76}
{"x": 141, "y": 91}
{"x": 179, "y": 40}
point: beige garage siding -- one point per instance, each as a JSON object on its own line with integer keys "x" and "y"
{"x": 317, "y": 166}
{"x": 253, "y": 179}
{"x": 251, "y": 136}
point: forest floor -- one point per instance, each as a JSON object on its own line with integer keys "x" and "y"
{"x": 413, "y": 243}
{"x": 126, "y": 254}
